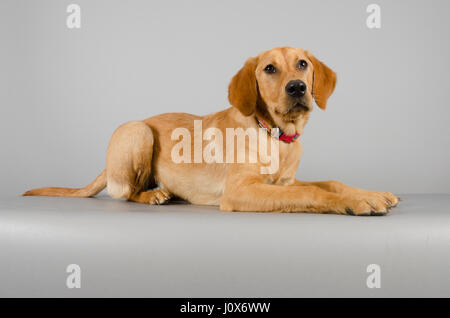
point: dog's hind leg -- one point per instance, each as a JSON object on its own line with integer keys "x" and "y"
{"x": 129, "y": 160}
{"x": 156, "y": 196}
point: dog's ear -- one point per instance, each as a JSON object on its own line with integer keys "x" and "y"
{"x": 243, "y": 89}
{"x": 324, "y": 81}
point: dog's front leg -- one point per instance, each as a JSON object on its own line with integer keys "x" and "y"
{"x": 373, "y": 197}
{"x": 260, "y": 197}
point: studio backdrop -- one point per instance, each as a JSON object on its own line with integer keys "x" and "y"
{"x": 66, "y": 87}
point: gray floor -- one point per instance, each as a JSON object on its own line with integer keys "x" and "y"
{"x": 180, "y": 250}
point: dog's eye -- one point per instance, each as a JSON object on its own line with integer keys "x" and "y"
{"x": 270, "y": 69}
{"x": 302, "y": 65}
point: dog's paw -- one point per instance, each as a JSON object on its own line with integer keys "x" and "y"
{"x": 391, "y": 198}
{"x": 158, "y": 196}
{"x": 368, "y": 203}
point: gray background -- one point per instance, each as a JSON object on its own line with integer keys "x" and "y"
{"x": 63, "y": 92}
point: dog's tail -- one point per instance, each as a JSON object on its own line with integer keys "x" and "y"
{"x": 88, "y": 191}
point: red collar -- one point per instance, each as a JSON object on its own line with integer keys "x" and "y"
{"x": 277, "y": 132}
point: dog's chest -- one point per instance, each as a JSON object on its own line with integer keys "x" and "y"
{"x": 289, "y": 159}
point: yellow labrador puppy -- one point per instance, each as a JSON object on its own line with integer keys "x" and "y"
{"x": 186, "y": 156}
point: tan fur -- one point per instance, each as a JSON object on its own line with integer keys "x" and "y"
{"x": 88, "y": 191}
{"x": 139, "y": 166}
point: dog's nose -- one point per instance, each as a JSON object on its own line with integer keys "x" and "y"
{"x": 296, "y": 88}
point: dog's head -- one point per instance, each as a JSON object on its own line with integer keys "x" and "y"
{"x": 283, "y": 82}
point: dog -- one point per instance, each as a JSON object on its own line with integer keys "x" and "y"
{"x": 272, "y": 91}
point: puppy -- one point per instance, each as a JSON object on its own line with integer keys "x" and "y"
{"x": 153, "y": 160}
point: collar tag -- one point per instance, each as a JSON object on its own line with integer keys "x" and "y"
{"x": 276, "y": 132}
